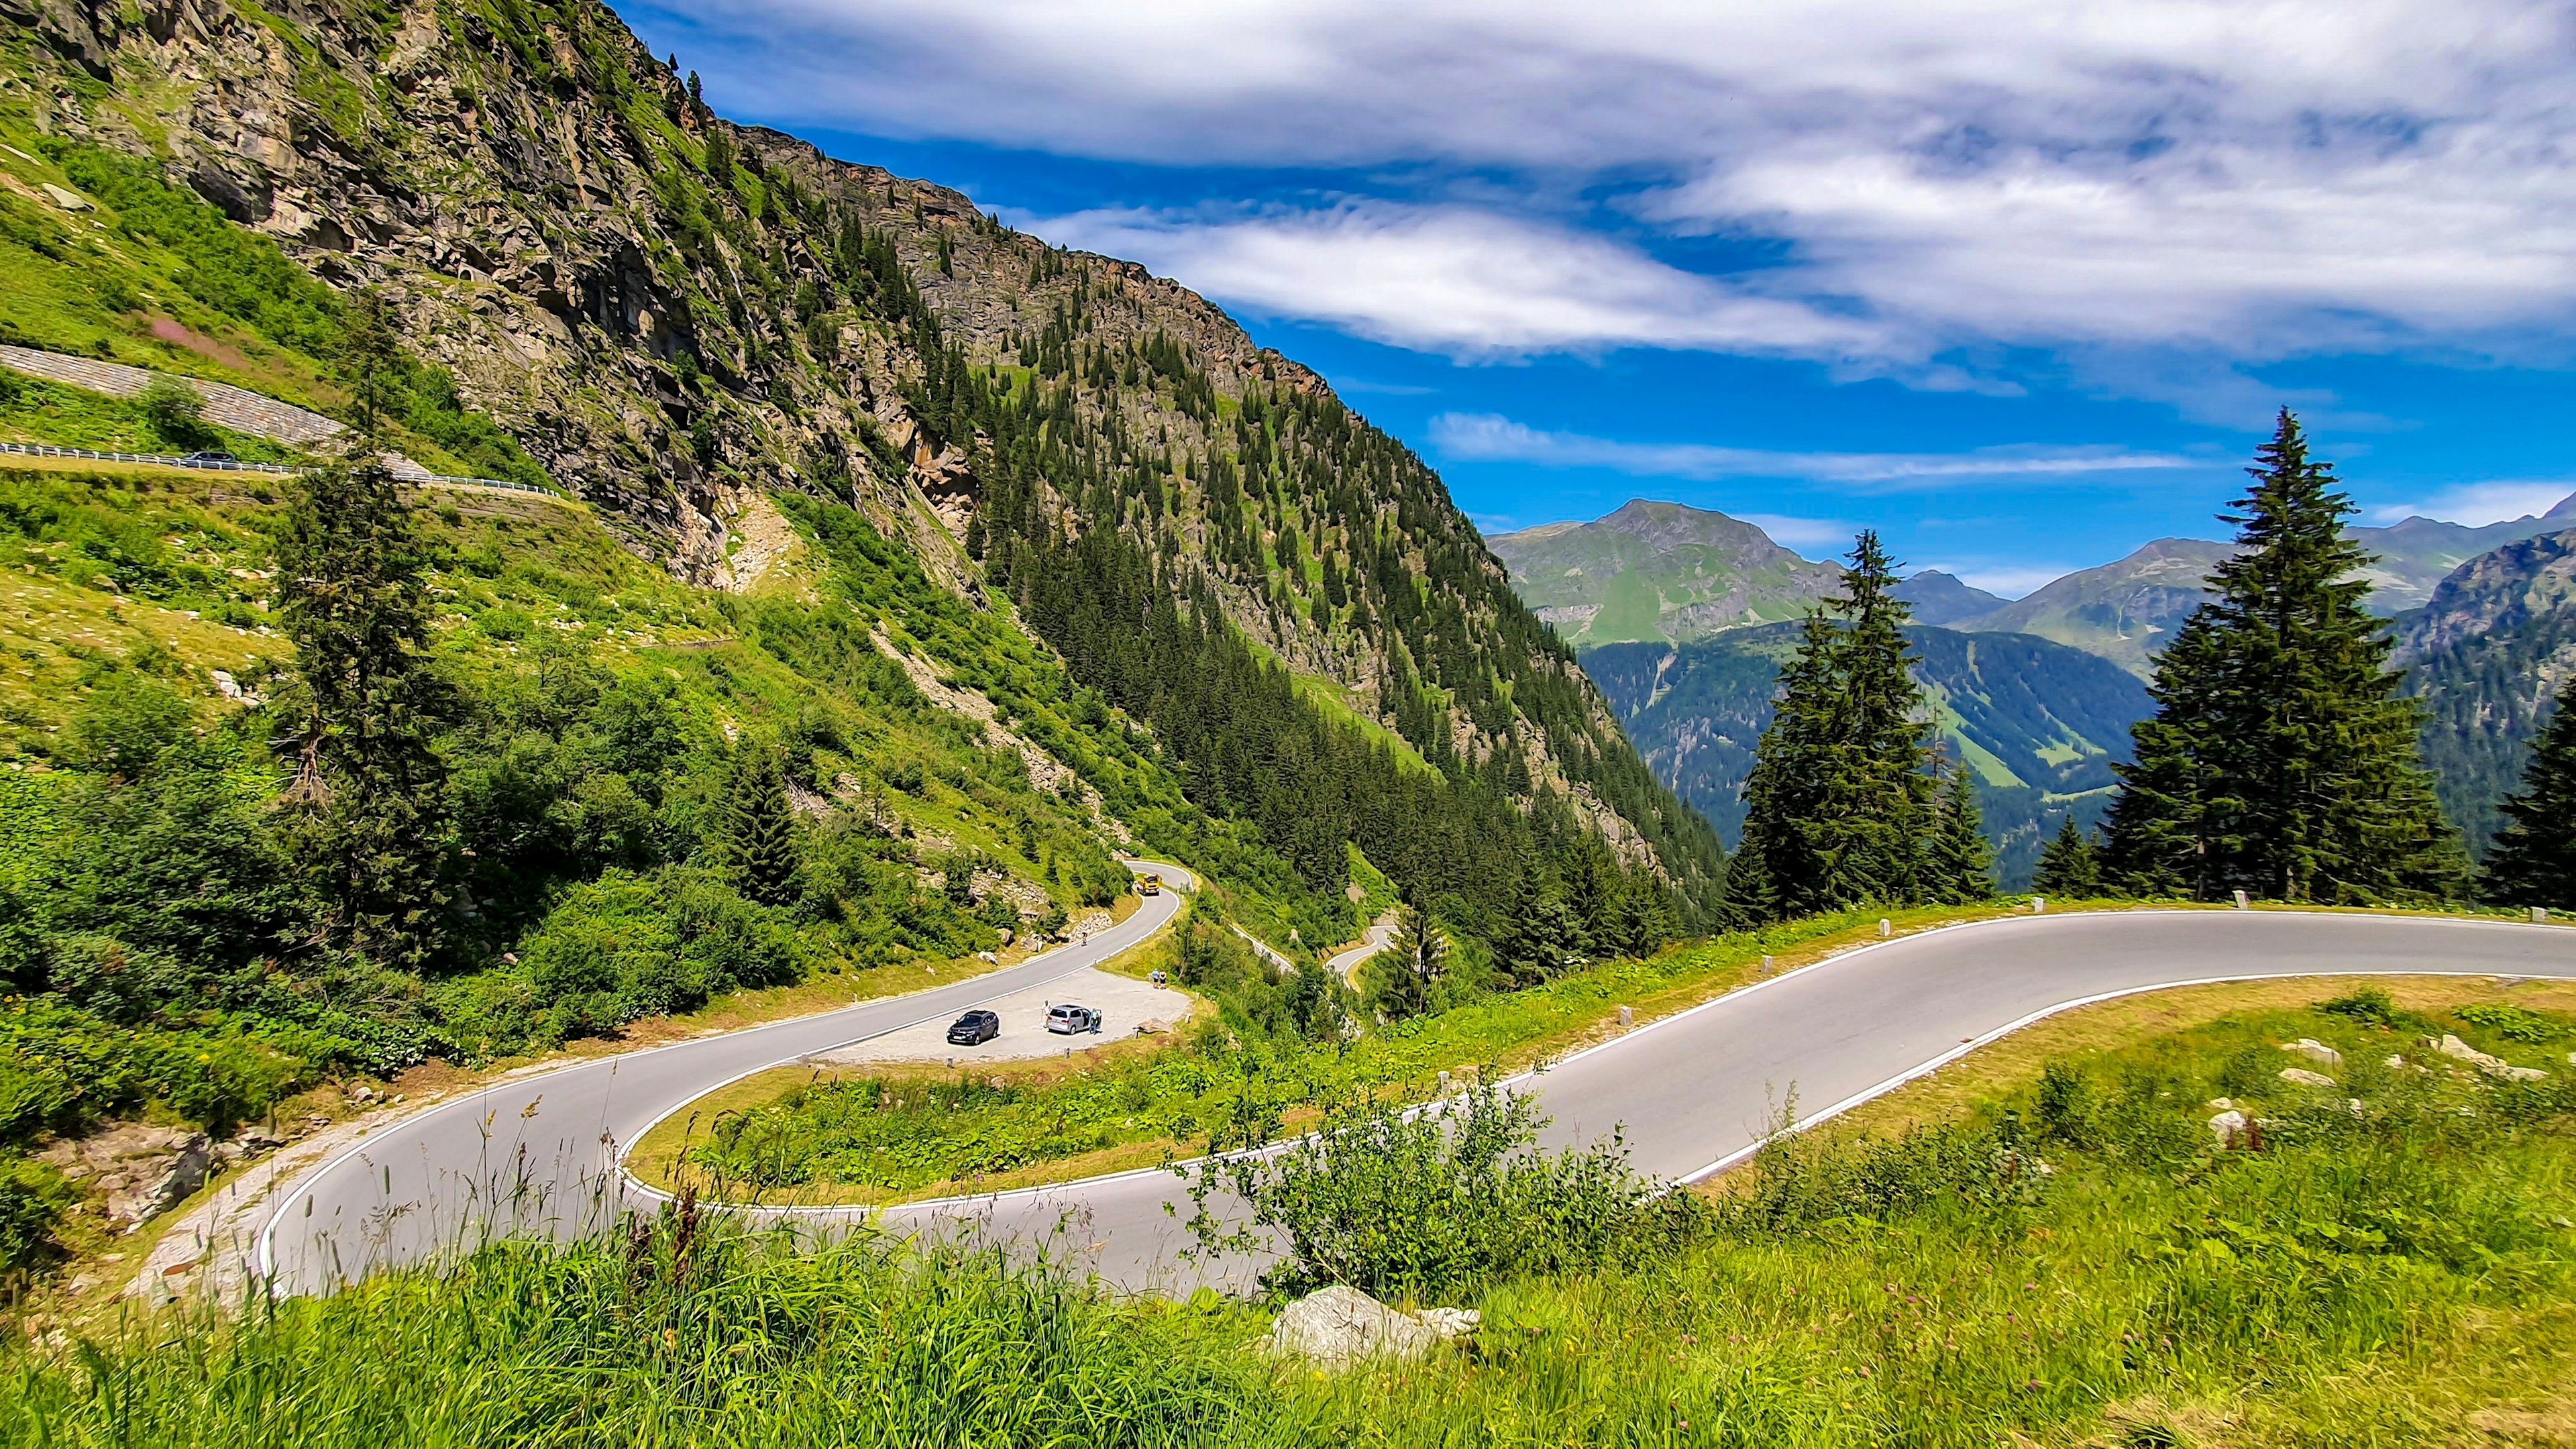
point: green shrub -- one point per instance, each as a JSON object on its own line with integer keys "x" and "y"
{"x": 2370, "y": 1006}
{"x": 1440, "y": 1203}
{"x": 616, "y": 949}
{"x": 2513, "y": 1023}
{"x": 33, "y": 1198}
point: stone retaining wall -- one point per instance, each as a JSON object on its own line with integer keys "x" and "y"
{"x": 227, "y": 406}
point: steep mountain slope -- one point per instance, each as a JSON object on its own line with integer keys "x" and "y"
{"x": 2417, "y": 554}
{"x": 2123, "y": 610}
{"x": 2041, "y": 722}
{"x": 1939, "y": 598}
{"x": 2487, "y": 655}
{"x": 681, "y": 321}
{"x": 1657, "y": 571}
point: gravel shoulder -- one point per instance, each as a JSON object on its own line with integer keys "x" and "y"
{"x": 1128, "y": 1007}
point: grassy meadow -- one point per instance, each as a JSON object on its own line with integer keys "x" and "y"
{"x": 2070, "y": 1260}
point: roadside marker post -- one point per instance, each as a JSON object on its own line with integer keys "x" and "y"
{"x": 1884, "y": 929}
{"x": 2242, "y": 903}
{"x": 2039, "y": 905}
{"x": 2540, "y": 915}
{"x": 1627, "y": 1016}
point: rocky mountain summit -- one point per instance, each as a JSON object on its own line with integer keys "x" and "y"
{"x": 678, "y": 319}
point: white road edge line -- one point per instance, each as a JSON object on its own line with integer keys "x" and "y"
{"x": 268, "y": 1234}
{"x": 1019, "y": 1194}
{"x": 1916, "y": 1073}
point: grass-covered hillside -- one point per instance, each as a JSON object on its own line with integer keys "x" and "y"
{"x": 2067, "y": 1258}
{"x": 648, "y": 794}
{"x": 596, "y": 282}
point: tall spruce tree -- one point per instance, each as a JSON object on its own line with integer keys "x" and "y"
{"x": 1400, "y": 977}
{"x": 760, "y": 830}
{"x": 2069, "y": 867}
{"x": 368, "y": 790}
{"x": 2533, "y": 862}
{"x": 1959, "y": 866}
{"x": 1838, "y": 803}
{"x": 2282, "y": 761}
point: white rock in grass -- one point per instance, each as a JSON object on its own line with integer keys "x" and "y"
{"x": 2229, "y": 1127}
{"x": 1452, "y": 1323}
{"x": 1340, "y": 1325}
{"x": 2395, "y": 1062}
{"x": 2314, "y": 1050}
{"x": 2302, "y": 1077}
{"x": 2517, "y": 1074}
{"x": 2459, "y": 1050}
{"x": 2223, "y": 1104}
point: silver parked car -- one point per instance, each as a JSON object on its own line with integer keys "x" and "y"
{"x": 1070, "y": 1020}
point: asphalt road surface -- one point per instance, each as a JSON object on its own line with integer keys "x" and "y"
{"x": 539, "y": 1155}
{"x": 1691, "y": 1093}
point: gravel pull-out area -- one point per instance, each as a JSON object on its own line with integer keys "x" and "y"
{"x": 1126, "y": 1005}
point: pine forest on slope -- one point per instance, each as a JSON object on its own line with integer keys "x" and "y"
{"x": 675, "y": 318}
{"x": 2041, "y": 724}
{"x": 900, "y": 568}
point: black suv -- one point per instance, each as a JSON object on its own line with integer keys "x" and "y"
{"x": 975, "y": 1028}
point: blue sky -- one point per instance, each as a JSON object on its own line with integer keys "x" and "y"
{"x": 2017, "y": 283}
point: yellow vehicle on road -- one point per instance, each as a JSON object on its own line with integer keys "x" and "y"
{"x": 1149, "y": 885}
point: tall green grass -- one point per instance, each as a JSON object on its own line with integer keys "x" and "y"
{"x": 2362, "y": 1275}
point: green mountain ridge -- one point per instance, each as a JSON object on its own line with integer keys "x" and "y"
{"x": 1657, "y": 571}
{"x": 682, "y": 321}
{"x": 2040, "y": 722}
{"x": 2486, "y": 655}
{"x": 1671, "y": 572}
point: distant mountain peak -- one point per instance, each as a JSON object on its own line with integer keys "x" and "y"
{"x": 1653, "y": 571}
{"x": 1945, "y": 599}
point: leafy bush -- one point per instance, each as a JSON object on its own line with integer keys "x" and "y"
{"x": 176, "y": 410}
{"x": 2370, "y": 1006}
{"x": 618, "y": 948}
{"x": 33, "y": 1197}
{"x": 1439, "y": 1203}
{"x": 2513, "y": 1023}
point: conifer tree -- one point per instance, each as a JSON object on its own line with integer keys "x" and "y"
{"x": 2281, "y": 760}
{"x": 368, "y": 790}
{"x": 1541, "y": 935}
{"x": 1838, "y": 803}
{"x": 1959, "y": 866}
{"x": 760, "y": 829}
{"x": 2069, "y": 867}
{"x": 2534, "y": 859}
{"x": 1400, "y": 981}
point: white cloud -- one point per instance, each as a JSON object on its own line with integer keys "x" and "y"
{"x": 1465, "y": 282}
{"x": 1802, "y": 533}
{"x": 2011, "y": 581}
{"x": 1487, "y": 437}
{"x": 2479, "y": 504}
{"x": 2252, "y": 181}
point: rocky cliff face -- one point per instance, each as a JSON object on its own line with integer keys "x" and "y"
{"x": 680, "y": 318}
{"x": 2487, "y": 654}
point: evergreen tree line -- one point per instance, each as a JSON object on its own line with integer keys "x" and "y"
{"x": 1076, "y": 525}
{"x": 2282, "y": 760}
{"x": 1849, "y": 803}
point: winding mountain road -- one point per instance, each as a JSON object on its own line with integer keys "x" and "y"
{"x": 1691, "y": 1093}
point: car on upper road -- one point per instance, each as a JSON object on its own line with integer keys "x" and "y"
{"x": 975, "y": 1028}
{"x": 201, "y": 460}
{"x": 1070, "y": 1020}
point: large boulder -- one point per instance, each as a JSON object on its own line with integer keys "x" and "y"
{"x": 143, "y": 1171}
{"x": 2314, "y": 1050}
{"x": 2302, "y": 1077}
{"x": 1341, "y": 1325}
